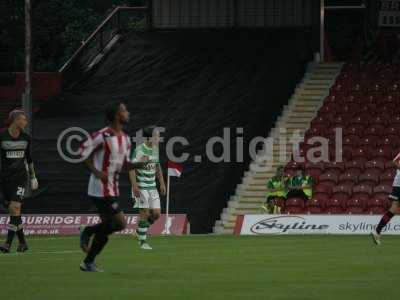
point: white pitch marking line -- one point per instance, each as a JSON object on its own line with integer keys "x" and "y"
{"x": 41, "y": 252}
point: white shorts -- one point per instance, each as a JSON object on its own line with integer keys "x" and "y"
{"x": 148, "y": 199}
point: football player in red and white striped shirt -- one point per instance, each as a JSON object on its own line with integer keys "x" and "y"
{"x": 106, "y": 153}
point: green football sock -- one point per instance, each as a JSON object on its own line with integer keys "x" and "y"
{"x": 142, "y": 230}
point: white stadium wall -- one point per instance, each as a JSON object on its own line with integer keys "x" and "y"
{"x": 186, "y": 14}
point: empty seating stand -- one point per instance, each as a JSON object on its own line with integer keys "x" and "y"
{"x": 365, "y": 103}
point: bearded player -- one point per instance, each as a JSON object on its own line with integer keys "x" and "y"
{"x": 106, "y": 152}
{"x": 16, "y": 162}
{"x": 145, "y": 159}
{"x": 394, "y": 209}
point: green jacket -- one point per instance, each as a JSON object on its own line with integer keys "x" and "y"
{"x": 302, "y": 181}
{"x": 278, "y": 184}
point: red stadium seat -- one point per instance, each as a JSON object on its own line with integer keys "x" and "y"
{"x": 315, "y": 205}
{"x": 294, "y": 202}
{"x": 322, "y": 198}
{"x": 394, "y": 119}
{"x": 376, "y": 210}
{"x": 331, "y": 108}
{"x": 349, "y": 177}
{"x": 368, "y": 140}
{"x": 331, "y": 99}
{"x": 386, "y": 178}
{"x": 377, "y": 163}
{"x": 321, "y": 120}
{"x": 356, "y": 164}
{"x": 352, "y": 139}
{"x": 347, "y": 108}
{"x": 367, "y": 108}
{"x": 361, "y": 151}
{"x": 328, "y": 177}
{"x": 294, "y": 165}
{"x": 357, "y": 88}
{"x": 385, "y": 109}
{"x": 342, "y": 189}
{"x": 362, "y": 119}
{"x": 389, "y": 165}
{"x": 335, "y": 166}
{"x": 376, "y": 206}
{"x": 317, "y": 130}
{"x": 392, "y": 129}
{"x": 344, "y": 153}
{"x": 294, "y": 210}
{"x": 356, "y": 129}
{"x": 356, "y": 205}
{"x": 294, "y": 206}
{"x": 394, "y": 88}
{"x": 382, "y": 191}
{"x": 391, "y": 99}
{"x": 376, "y": 88}
{"x": 353, "y": 99}
{"x": 314, "y": 169}
{"x": 390, "y": 140}
{"x": 342, "y": 119}
{"x": 375, "y": 129}
{"x": 339, "y": 89}
{"x": 371, "y": 98}
{"x": 370, "y": 177}
{"x": 324, "y": 189}
{"x": 324, "y": 119}
{"x": 336, "y": 204}
{"x": 382, "y": 152}
{"x": 362, "y": 190}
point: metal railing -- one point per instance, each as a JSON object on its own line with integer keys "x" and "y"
{"x": 120, "y": 20}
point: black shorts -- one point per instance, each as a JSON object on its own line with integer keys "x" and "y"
{"x": 13, "y": 191}
{"x": 106, "y": 205}
{"x": 395, "y": 194}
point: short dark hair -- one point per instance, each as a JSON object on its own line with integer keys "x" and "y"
{"x": 111, "y": 111}
{"x": 148, "y": 131}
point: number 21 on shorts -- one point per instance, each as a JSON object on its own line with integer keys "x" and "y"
{"x": 20, "y": 191}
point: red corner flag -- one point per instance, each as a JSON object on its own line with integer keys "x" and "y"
{"x": 174, "y": 169}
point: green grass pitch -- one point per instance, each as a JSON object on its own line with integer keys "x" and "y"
{"x": 207, "y": 267}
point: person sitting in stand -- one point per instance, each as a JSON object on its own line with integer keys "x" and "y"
{"x": 276, "y": 188}
{"x": 300, "y": 185}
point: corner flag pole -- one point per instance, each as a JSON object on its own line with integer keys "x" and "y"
{"x": 166, "y": 227}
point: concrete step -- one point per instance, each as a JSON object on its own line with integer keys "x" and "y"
{"x": 258, "y": 188}
{"x": 297, "y": 114}
{"x": 256, "y": 183}
{"x": 259, "y": 197}
{"x": 295, "y": 119}
{"x": 324, "y": 82}
{"x": 250, "y": 196}
{"x": 227, "y": 231}
{"x": 247, "y": 211}
{"x": 226, "y": 218}
{"x": 251, "y": 205}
